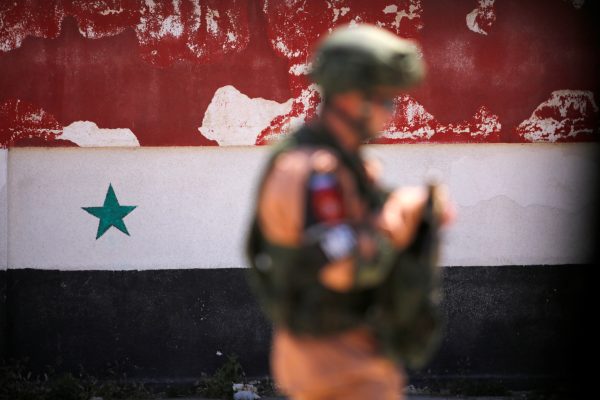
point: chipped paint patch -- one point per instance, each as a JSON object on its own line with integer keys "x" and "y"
{"x": 111, "y": 11}
{"x": 211, "y": 21}
{"x": 232, "y": 118}
{"x": 23, "y": 122}
{"x": 166, "y": 31}
{"x": 208, "y": 31}
{"x": 87, "y": 134}
{"x": 98, "y": 19}
{"x": 576, "y": 3}
{"x": 485, "y": 123}
{"x": 19, "y": 19}
{"x": 283, "y": 21}
{"x": 566, "y": 115}
{"x": 170, "y": 26}
{"x": 300, "y": 69}
{"x": 412, "y": 123}
{"x": 414, "y": 11}
{"x": 481, "y": 19}
{"x": 285, "y": 18}
{"x": 303, "y": 107}
{"x": 285, "y": 51}
{"x": 337, "y": 12}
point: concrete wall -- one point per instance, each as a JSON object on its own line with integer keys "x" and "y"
{"x": 513, "y": 297}
{"x": 153, "y": 75}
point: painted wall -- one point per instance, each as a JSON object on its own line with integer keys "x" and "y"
{"x": 3, "y": 246}
{"x": 3, "y": 209}
{"x": 186, "y": 72}
{"x": 162, "y": 83}
{"x": 515, "y": 325}
{"x": 517, "y": 204}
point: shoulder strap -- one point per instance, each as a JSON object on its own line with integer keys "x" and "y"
{"x": 319, "y": 136}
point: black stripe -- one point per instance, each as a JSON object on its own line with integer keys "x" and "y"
{"x": 512, "y": 322}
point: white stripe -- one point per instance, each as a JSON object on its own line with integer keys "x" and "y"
{"x": 3, "y": 210}
{"x": 87, "y": 134}
{"x": 517, "y": 204}
{"x": 192, "y": 204}
{"x": 233, "y": 119}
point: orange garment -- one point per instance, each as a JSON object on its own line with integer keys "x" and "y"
{"x": 344, "y": 366}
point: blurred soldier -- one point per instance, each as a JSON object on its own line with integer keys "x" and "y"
{"x": 344, "y": 268}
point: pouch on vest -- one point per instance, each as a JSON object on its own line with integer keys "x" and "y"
{"x": 407, "y": 318}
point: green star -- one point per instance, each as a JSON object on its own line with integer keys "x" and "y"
{"x": 110, "y": 214}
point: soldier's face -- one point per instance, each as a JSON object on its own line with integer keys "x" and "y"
{"x": 382, "y": 111}
{"x": 378, "y": 109}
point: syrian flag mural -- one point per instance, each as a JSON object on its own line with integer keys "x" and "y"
{"x": 131, "y": 140}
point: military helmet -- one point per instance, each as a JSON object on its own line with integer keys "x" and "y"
{"x": 363, "y": 57}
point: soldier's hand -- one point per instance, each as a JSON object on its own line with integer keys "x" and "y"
{"x": 447, "y": 211}
{"x": 401, "y": 214}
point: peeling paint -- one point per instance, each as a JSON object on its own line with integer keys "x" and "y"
{"x": 87, "y": 134}
{"x": 23, "y": 122}
{"x": 204, "y": 33}
{"x": 109, "y": 11}
{"x": 300, "y": 69}
{"x": 19, "y": 20}
{"x": 412, "y": 123}
{"x": 232, "y": 118}
{"x": 283, "y": 49}
{"x": 156, "y": 24}
{"x": 414, "y": 11}
{"x": 567, "y": 114}
{"x": 303, "y": 107}
{"x": 576, "y": 3}
{"x": 98, "y": 19}
{"x": 481, "y": 19}
{"x": 318, "y": 17}
{"x": 211, "y": 21}
{"x": 197, "y": 15}
{"x": 170, "y": 26}
{"x": 211, "y": 31}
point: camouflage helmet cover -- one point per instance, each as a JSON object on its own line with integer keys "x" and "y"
{"x": 363, "y": 57}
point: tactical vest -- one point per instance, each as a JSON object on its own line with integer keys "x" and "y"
{"x": 402, "y": 310}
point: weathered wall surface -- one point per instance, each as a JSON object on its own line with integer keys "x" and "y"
{"x": 516, "y": 324}
{"x": 172, "y": 284}
{"x": 112, "y": 252}
{"x": 186, "y": 72}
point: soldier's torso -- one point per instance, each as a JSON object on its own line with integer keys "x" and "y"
{"x": 297, "y": 195}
